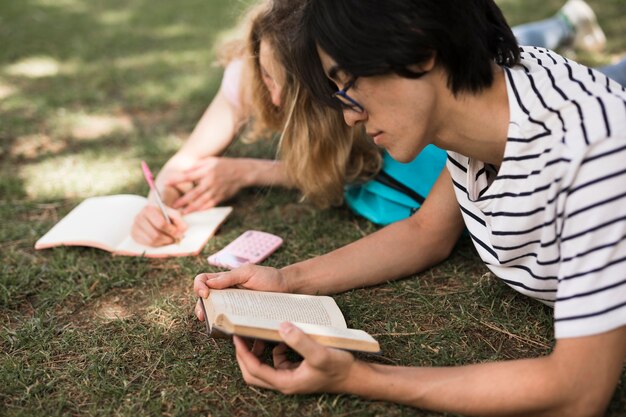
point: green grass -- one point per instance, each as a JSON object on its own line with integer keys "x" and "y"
{"x": 87, "y": 90}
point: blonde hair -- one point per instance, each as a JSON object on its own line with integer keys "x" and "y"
{"x": 244, "y": 43}
{"x": 321, "y": 153}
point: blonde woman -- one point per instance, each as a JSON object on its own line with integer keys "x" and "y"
{"x": 259, "y": 98}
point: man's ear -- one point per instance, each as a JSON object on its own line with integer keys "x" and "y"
{"x": 430, "y": 64}
{"x": 425, "y": 66}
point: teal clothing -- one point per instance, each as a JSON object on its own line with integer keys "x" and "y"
{"x": 382, "y": 204}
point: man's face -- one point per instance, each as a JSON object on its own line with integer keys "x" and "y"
{"x": 398, "y": 112}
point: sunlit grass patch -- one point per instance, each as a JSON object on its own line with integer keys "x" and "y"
{"x": 112, "y": 311}
{"x": 95, "y": 126}
{"x": 79, "y": 176}
{"x": 63, "y": 4}
{"x": 7, "y": 90}
{"x": 115, "y": 17}
{"x": 34, "y": 67}
{"x": 177, "y": 88}
{"x": 30, "y": 146}
{"x": 174, "y": 31}
{"x": 163, "y": 313}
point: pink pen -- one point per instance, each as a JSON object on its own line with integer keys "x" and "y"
{"x": 148, "y": 175}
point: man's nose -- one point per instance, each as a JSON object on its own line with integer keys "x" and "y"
{"x": 353, "y": 117}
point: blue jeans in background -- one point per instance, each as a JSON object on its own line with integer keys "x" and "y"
{"x": 553, "y": 33}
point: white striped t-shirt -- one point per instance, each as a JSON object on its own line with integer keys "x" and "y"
{"x": 551, "y": 220}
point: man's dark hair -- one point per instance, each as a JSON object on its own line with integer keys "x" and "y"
{"x": 376, "y": 37}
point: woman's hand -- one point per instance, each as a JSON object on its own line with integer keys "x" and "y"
{"x": 251, "y": 277}
{"x": 322, "y": 369}
{"x": 215, "y": 179}
{"x": 150, "y": 227}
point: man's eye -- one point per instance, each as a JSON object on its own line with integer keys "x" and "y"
{"x": 350, "y": 84}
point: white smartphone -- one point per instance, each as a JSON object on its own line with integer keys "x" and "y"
{"x": 250, "y": 247}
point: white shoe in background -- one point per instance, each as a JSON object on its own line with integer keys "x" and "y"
{"x": 588, "y": 34}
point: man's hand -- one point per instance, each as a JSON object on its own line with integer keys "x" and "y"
{"x": 322, "y": 369}
{"x": 251, "y": 277}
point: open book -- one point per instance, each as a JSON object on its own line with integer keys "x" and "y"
{"x": 105, "y": 223}
{"x": 258, "y": 314}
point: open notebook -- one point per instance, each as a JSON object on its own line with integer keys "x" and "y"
{"x": 105, "y": 223}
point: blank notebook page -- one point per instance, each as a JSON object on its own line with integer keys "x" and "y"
{"x": 101, "y": 221}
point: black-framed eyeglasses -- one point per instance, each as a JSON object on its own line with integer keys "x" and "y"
{"x": 345, "y": 100}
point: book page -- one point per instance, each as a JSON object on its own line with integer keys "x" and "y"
{"x": 333, "y": 332}
{"x": 102, "y": 222}
{"x": 318, "y": 310}
{"x": 201, "y": 226}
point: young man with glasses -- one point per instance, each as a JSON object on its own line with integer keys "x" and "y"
{"x": 536, "y": 147}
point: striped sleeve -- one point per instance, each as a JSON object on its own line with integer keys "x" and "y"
{"x": 591, "y": 295}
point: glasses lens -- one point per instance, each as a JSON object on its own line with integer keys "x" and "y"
{"x": 346, "y": 103}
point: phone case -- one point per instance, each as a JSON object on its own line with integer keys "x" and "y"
{"x": 249, "y": 248}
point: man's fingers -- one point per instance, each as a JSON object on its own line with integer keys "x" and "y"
{"x": 279, "y": 356}
{"x": 249, "y": 378}
{"x": 200, "y": 287}
{"x": 227, "y": 279}
{"x": 203, "y": 283}
{"x": 199, "y": 312}
{"x": 258, "y": 346}
{"x": 255, "y": 372}
{"x": 309, "y": 349}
